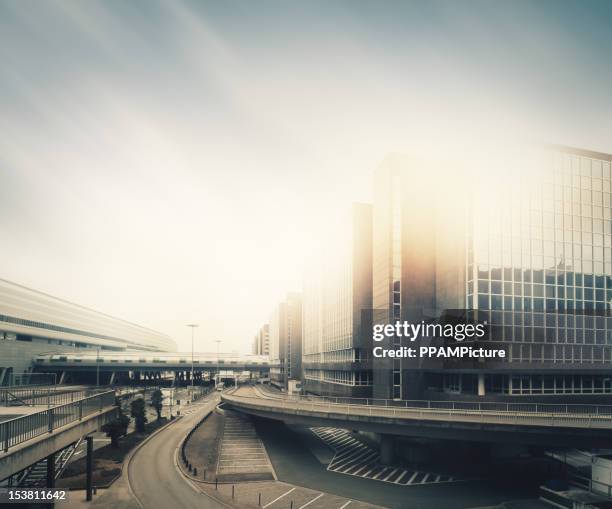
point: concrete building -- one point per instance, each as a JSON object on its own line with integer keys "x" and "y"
{"x": 285, "y": 341}
{"x": 261, "y": 341}
{"x": 337, "y": 302}
{"x": 526, "y": 242}
{"x": 34, "y": 323}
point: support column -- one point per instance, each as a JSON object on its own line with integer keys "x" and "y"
{"x": 50, "y": 477}
{"x": 51, "y": 471}
{"x": 481, "y": 384}
{"x": 387, "y": 449}
{"x": 89, "y": 469}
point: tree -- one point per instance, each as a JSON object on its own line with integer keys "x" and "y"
{"x": 116, "y": 428}
{"x": 137, "y": 408}
{"x": 156, "y": 401}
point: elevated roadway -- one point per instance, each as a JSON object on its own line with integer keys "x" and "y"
{"x": 529, "y": 424}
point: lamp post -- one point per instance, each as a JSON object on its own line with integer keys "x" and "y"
{"x": 192, "y": 326}
{"x": 218, "y": 365}
{"x": 98, "y": 367}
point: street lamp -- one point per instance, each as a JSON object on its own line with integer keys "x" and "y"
{"x": 218, "y": 365}
{"x": 98, "y": 367}
{"x": 193, "y": 326}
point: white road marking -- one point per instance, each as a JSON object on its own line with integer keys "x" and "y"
{"x": 308, "y": 503}
{"x": 278, "y": 498}
{"x": 344, "y": 505}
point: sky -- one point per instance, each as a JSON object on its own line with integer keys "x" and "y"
{"x": 176, "y": 162}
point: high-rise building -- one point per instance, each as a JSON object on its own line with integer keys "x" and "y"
{"x": 337, "y": 302}
{"x": 264, "y": 340}
{"x": 528, "y": 246}
{"x": 285, "y": 341}
{"x": 261, "y": 341}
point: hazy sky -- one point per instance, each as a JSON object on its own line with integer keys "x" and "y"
{"x": 173, "y": 162}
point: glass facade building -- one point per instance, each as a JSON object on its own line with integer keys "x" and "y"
{"x": 526, "y": 242}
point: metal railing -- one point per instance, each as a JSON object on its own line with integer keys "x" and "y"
{"x": 494, "y": 413}
{"x": 43, "y": 396}
{"x": 498, "y": 406}
{"x": 19, "y": 430}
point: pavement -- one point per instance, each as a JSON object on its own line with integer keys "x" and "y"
{"x": 150, "y": 478}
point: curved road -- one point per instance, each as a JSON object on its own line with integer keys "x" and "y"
{"x": 153, "y": 475}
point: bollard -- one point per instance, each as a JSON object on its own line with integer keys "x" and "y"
{"x": 291, "y": 506}
{"x": 216, "y": 482}
{"x": 195, "y": 470}
{"x": 190, "y": 467}
{"x": 232, "y": 491}
{"x": 259, "y": 502}
{"x": 95, "y": 490}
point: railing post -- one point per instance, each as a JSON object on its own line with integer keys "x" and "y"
{"x": 50, "y": 414}
{"x": 80, "y": 410}
{"x": 5, "y": 438}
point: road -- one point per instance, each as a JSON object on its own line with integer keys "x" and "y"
{"x": 153, "y": 475}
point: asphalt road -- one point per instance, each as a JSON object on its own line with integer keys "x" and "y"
{"x": 153, "y": 475}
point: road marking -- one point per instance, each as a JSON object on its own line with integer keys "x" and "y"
{"x": 344, "y": 505}
{"x": 393, "y": 472}
{"x": 412, "y": 478}
{"x": 401, "y": 477}
{"x": 278, "y": 498}
{"x": 308, "y": 503}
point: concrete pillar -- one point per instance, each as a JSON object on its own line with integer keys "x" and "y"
{"x": 387, "y": 449}
{"x": 51, "y": 470}
{"x": 89, "y": 469}
{"x": 481, "y": 384}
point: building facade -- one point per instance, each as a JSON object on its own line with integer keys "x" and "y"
{"x": 528, "y": 248}
{"x": 285, "y": 341}
{"x": 33, "y": 323}
{"x": 261, "y": 341}
{"x": 337, "y": 302}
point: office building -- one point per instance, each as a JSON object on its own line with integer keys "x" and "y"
{"x": 33, "y": 323}
{"x": 337, "y": 302}
{"x": 285, "y": 341}
{"x": 530, "y": 249}
{"x": 261, "y": 341}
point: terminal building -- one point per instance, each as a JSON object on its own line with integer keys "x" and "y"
{"x": 527, "y": 243}
{"x": 33, "y": 323}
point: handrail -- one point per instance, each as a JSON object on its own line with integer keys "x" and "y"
{"x": 41, "y": 396}
{"x": 514, "y": 417}
{"x": 20, "y": 429}
{"x": 576, "y": 408}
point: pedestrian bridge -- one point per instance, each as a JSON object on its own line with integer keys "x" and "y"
{"x": 152, "y": 361}
{"x": 525, "y": 423}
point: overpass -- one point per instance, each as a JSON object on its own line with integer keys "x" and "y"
{"x": 115, "y": 366}
{"x": 29, "y": 434}
{"x": 514, "y": 423}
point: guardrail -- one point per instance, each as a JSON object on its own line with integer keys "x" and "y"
{"x": 44, "y": 396}
{"x": 572, "y": 408}
{"x": 506, "y": 414}
{"x": 19, "y": 430}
